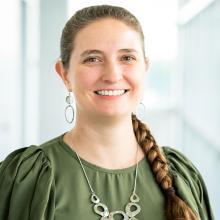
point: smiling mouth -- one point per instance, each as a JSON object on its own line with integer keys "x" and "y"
{"x": 110, "y": 94}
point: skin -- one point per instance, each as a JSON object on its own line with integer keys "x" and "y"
{"x": 107, "y": 54}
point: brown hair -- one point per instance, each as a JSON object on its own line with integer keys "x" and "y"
{"x": 86, "y": 16}
{"x": 176, "y": 208}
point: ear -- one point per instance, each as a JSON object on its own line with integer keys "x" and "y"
{"x": 63, "y": 73}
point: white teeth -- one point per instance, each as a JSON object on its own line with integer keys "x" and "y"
{"x": 111, "y": 92}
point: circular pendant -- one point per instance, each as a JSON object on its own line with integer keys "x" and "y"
{"x": 104, "y": 208}
{"x": 112, "y": 214}
{"x": 132, "y": 213}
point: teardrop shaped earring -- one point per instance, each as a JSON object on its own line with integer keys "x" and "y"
{"x": 69, "y": 110}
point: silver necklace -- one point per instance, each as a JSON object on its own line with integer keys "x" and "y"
{"x": 131, "y": 209}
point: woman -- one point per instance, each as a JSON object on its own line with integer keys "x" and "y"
{"x": 108, "y": 166}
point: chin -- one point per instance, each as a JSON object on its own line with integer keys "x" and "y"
{"x": 114, "y": 114}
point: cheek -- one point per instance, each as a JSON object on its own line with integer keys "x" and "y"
{"x": 136, "y": 75}
{"x": 85, "y": 79}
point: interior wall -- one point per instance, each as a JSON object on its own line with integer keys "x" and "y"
{"x": 199, "y": 52}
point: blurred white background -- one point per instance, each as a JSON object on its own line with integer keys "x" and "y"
{"x": 182, "y": 96}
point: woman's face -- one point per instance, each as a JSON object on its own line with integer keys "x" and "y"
{"x": 107, "y": 55}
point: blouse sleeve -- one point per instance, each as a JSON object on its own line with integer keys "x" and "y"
{"x": 189, "y": 183}
{"x": 27, "y": 188}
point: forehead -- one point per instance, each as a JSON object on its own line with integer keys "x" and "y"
{"x": 107, "y": 35}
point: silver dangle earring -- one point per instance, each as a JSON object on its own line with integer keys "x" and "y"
{"x": 140, "y": 111}
{"x": 69, "y": 110}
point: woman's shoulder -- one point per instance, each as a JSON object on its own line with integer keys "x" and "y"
{"x": 23, "y": 157}
{"x": 178, "y": 162}
{"x": 26, "y": 184}
{"x": 188, "y": 181}
{"x": 185, "y": 174}
{"x": 27, "y": 156}
{"x": 24, "y": 165}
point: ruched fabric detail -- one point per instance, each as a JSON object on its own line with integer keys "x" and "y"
{"x": 189, "y": 183}
{"x": 27, "y": 188}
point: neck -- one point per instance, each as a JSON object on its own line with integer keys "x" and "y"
{"x": 110, "y": 145}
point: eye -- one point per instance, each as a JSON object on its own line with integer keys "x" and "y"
{"x": 92, "y": 60}
{"x": 128, "y": 58}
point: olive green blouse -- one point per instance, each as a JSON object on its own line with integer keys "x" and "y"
{"x": 46, "y": 182}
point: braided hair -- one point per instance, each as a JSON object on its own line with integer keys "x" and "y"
{"x": 176, "y": 208}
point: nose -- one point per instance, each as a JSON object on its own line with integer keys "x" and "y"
{"x": 112, "y": 72}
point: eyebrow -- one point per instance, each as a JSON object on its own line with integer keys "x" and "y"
{"x": 128, "y": 50}
{"x": 88, "y": 52}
